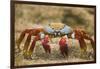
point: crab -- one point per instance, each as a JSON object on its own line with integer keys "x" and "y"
{"x": 52, "y": 30}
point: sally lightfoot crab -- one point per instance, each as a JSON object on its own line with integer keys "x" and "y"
{"x": 45, "y": 33}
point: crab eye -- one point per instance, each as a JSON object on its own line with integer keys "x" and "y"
{"x": 73, "y": 35}
{"x": 42, "y": 35}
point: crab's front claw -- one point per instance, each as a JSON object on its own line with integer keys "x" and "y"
{"x": 63, "y": 46}
{"x": 45, "y": 44}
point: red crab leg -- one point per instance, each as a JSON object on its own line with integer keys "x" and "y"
{"x": 82, "y": 44}
{"x": 91, "y": 40}
{"x": 86, "y": 36}
{"x": 21, "y": 38}
{"x": 26, "y": 45}
{"x": 81, "y": 35}
{"x": 31, "y": 49}
{"x": 45, "y": 44}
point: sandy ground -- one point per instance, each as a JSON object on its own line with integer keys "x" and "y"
{"x": 40, "y": 57}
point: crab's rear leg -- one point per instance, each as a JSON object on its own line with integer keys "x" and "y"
{"x": 91, "y": 40}
{"x": 18, "y": 42}
{"x": 84, "y": 35}
{"x": 26, "y": 45}
{"x": 82, "y": 44}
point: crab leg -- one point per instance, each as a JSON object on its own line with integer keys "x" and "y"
{"x": 91, "y": 40}
{"x": 81, "y": 35}
{"x": 86, "y": 36}
{"x": 22, "y": 37}
{"x": 26, "y": 45}
{"x": 31, "y": 49}
{"x": 82, "y": 44}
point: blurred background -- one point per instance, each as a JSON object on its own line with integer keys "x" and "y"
{"x": 28, "y": 15}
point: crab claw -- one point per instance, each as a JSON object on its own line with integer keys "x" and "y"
{"x": 64, "y": 46}
{"x": 45, "y": 44}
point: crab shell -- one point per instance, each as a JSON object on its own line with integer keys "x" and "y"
{"x": 57, "y": 29}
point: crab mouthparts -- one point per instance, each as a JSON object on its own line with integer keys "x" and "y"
{"x": 57, "y": 33}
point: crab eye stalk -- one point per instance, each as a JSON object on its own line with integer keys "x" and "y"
{"x": 73, "y": 35}
{"x": 42, "y": 35}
